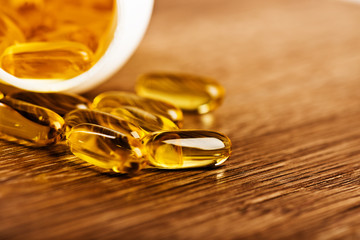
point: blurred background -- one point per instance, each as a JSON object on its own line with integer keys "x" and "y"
{"x": 290, "y": 52}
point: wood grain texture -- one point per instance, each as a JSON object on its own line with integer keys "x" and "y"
{"x": 292, "y": 111}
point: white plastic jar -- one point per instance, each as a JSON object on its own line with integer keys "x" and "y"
{"x": 131, "y": 20}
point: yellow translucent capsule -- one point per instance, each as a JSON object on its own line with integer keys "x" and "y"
{"x": 10, "y": 33}
{"x": 187, "y": 149}
{"x": 26, "y": 123}
{"x": 61, "y": 103}
{"x": 80, "y": 12}
{"x": 70, "y": 32}
{"x": 29, "y": 15}
{"x": 188, "y": 92}
{"x": 148, "y": 122}
{"x": 1, "y": 95}
{"x": 81, "y": 116}
{"x": 35, "y": 22}
{"x": 46, "y": 60}
{"x": 109, "y": 100}
{"x": 93, "y": 18}
{"x": 24, "y": 4}
{"x": 100, "y": 5}
{"x": 106, "y": 148}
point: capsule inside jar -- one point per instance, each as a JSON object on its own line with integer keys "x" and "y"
{"x": 10, "y": 33}
{"x": 60, "y": 39}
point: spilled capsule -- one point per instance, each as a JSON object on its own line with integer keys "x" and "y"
{"x": 188, "y": 92}
{"x": 147, "y": 121}
{"x": 61, "y": 103}
{"x": 109, "y": 100}
{"x": 187, "y": 149}
{"x": 106, "y": 148}
{"x": 46, "y": 60}
{"x": 29, "y": 124}
{"x": 107, "y": 120}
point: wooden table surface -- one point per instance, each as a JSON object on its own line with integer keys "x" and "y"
{"x": 292, "y": 110}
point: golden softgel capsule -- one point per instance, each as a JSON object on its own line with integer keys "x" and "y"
{"x": 188, "y": 92}
{"x": 61, "y": 103}
{"x": 10, "y": 33}
{"x": 109, "y": 100}
{"x": 187, "y": 149}
{"x": 23, "y": 4}
{"x": 29, "y": 124}
{"x": 70, "y": 32}
{"x": 147, "y": 121}
{"x": 81, "y": 116}
{"x": 58, "y": 20}
{"x": 106, "y": 148}
{"x": 46, "y": 60}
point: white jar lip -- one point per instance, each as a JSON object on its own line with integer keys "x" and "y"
{"x": 132, "y": 20}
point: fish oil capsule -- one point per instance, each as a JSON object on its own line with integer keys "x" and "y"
{"x": 10, "y": 33}
{"x": 29, "y": 15}
{"x": 187, "y": 149}
{"x": 22, "y": 4}
{"x": 1, "y": 95}
{"x": 148, "y": 122}
{"x": 29, "y": 124}
{"x": 61, "y": 103}
{"x": 46, "y": 60}
{"x": 81, "y": 116}
{"x": 106, "y": 148}
{"x": 70, "y": 32}
{"x": 188, "y": 92}
{"x": 94, "y": 28}
{"x": 101, "y": 5}
{"x": 109, "y": 100}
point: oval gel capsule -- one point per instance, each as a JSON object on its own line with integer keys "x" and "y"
{"x": 81, "y": 116}
{"x": 61, "y": 103}
{"x": 188, "y": 92}
{"x": 70, "y": 32}
{"x": 106, "y": 148}
{"x": 46, "y": 60}
{"x": 22, "y": 4}
{"x": 10, "y": 33}
{"x": 107, "y": 101}
{"x": 147, "y": 121}
{"x": 30, "y": 124}
{"x": 187, "y": 149}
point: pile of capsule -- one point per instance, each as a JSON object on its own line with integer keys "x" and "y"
{"x": 123, "y": 131}
{"x": 53, "y": 39}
